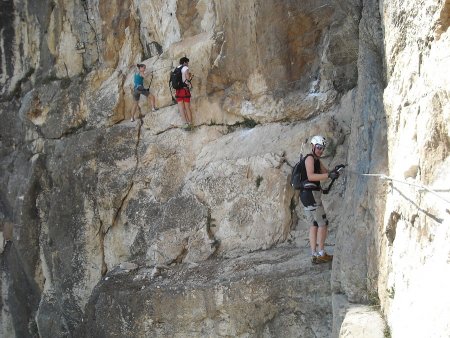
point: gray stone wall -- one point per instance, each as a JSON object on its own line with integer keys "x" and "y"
{"x": 144, "y": 229}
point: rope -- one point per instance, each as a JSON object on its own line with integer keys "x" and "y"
{"x": 388, "y": 178}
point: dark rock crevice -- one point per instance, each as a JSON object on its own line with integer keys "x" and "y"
{"x": 7, "y": 17}
{"x": 87, "y": 10}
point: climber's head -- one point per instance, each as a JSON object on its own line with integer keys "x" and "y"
{"x": 318, "y": 143}
{"x": 184, "y": 60}
{"x": 141, "y": 66}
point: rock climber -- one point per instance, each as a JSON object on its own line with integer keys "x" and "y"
{"x": 139, "y": 90}
{"x": 310, "y": 196}
{"x": 183, "y": 95}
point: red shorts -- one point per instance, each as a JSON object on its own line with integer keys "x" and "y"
{"x": 183, "y": 95}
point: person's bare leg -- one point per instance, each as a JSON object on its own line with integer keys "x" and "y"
{"x": 188, "y": 112}
{"x": 152, "y": 101}
{"x": 322, "y": 236}
{"x": 313, "y": 238}
{"x": 133, "y": 110}
{"x": 182, "y": 110}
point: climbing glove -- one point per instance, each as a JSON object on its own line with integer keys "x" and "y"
{"x": 333, "y": 174}
{"x": 339, "y": 167}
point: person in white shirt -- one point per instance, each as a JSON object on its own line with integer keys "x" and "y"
{"x": 183, "y": 95}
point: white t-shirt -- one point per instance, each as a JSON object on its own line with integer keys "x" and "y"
{"x": 184, "y": 69}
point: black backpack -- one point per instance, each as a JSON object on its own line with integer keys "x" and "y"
{"x": 296, "y": 177}
{"x": 299, "y": 178}
{"x": 176, "y": 78}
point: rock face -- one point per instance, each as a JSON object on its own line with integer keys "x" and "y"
{"x": 143, "y": 229}
{"x": 256, "y": 295}
{"x": 395, "y": 250}
{"x": 416, "y": 252}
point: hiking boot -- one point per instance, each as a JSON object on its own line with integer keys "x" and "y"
{"x": 324, "y": 259}
{"x": 155, "y": 109}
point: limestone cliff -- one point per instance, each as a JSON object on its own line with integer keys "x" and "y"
{"x": 142, "y": 229}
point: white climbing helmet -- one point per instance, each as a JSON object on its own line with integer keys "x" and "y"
{"x": 318, "y": 139}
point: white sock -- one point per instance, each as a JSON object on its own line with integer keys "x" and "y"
{"x": 321, "y": 252}
{"x": 314, "y": 253}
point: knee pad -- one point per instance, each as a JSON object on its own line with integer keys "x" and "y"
{"x": 324, "y": 217}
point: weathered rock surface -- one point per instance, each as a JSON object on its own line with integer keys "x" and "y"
{"x": 258, "y": 295}
{"x": 415, "y": 251}
{"x": 143, "y": 229}
{"x": 394, "y": 249}
{"x": 362, "y": 321}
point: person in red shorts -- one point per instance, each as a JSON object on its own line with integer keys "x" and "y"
{"x": 183, "y": 95}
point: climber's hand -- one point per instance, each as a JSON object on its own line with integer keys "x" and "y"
{"x": 333, "y": 174}
{"x": 339, "y": 167}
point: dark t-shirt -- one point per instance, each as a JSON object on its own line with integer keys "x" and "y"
{"x": 316, "y": 169}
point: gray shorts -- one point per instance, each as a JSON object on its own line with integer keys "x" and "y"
{"x": 137, "y": 92}
{"x": 314, "y": 211}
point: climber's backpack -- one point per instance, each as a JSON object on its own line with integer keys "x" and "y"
{"x": 176, "y": 78}
{"x": 299, "y": 178}
{"x": 296, "y": 177}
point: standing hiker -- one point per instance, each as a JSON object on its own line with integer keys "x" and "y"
{"x": 310, "y": 196}
{"x": 183, "y": 94}
{"x": 139, "y": 90}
